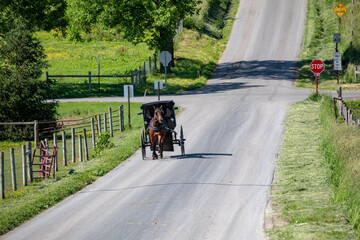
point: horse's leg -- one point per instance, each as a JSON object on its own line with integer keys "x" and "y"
{"x": 153, "y": 145}
{"x": 161, "y": 143}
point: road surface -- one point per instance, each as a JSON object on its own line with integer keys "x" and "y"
{"x": 233, "y": 127}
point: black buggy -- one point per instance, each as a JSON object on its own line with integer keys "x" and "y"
{"x": 169, "y": 117}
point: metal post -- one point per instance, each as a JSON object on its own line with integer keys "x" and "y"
{"x": 73, "y": 155}
{"x": 13, "y": 169}
{"x": 64, "y": 148}
{"x": 56, "y": 155}
{"x": 86, "y": 146}
{"x": 24, "y": 165}
{"x": 2, "y": 176}
{"x": 111, "y": 123}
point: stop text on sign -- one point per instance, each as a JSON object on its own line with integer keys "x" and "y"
{"x": 317, "y": 66}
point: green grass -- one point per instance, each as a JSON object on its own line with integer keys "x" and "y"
{"x": 196, "y": 54}
{"x": 78, "y": 58}
{"x": 340, "y": 145}
{"x": 28, "y": 201}
{"x": 321, "y": 24}
{"x": 302, "y": 191}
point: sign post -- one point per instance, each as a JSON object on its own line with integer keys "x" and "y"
{"x": 129, "y": 93}
{"x": 317, "y": 66}
{"x": 158, "y": 85}
{"x": 165, "y": 58}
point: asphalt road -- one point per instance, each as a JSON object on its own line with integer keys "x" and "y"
{"x": 233, "y": 127}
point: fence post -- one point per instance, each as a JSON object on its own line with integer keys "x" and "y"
{"x": 2, "y": 176}
{"x": 36, "y": 134}
{"x": 89, "y": 81}
{"x": 64, "y": 147}
{"x": 105, "y": 122}
{"x": 29, "y": 160}
{"x": 136, "y": 76}
{"x": 47, "y": 77}
{"x": 86, "y": 146}
{"x": 121, "y": 119}
{"x": 73, "y": 154}
{"x": 150, "y": 73}
{"x": 80, "y": 149}
{"x": 139, "y": 78}
{"x": 56, "y": 155}
{"x": 13, "y": 169}
{"x": 111, "y": 123}
{"x": 24, "y": 165}
{"x": 132, "y": 78}
{"x": 144, "y": 72}
{"x": 99, "y": 124}
{"x": 93, "y": 131}
{"x": 155, "y": 61}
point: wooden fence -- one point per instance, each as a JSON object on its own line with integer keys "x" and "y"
{"x": 78, "y": 131}
{"x": 341, "y": 110}
{"x": 137, "y": 76}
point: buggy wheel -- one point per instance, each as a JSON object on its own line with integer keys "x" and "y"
{"x": 182, "y": 141}
{"x": 142, "y": 145}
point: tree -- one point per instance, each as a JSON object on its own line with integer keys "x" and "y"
{"x": 36, "y": 14}
{"x": 22, "y": 94}
{"x": 151, "y": 21}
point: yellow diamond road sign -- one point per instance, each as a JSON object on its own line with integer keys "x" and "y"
{"x": 340, "y": 10}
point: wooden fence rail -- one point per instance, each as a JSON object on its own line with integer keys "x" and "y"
{"x": 341, "y": 110}
{"x": 137, "y": 76}
{"x": 112, "y": 122}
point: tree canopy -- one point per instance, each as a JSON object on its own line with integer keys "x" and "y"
{"x": 22, "y": 94}
{"x": 36, "y": 14}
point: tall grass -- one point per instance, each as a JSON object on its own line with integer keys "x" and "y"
{"x": 301, "y": 194}
{"x": 321, "y": 24}
{"x": 341, "y": 148}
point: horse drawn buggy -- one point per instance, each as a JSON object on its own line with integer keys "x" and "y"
{"x": 159, "y": 133}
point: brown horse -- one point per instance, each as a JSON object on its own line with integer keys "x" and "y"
{"x": 157, "y": 132}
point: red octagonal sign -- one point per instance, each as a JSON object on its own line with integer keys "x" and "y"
{"x": 317, "y": 66}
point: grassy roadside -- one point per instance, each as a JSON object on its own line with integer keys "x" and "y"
{"x": 28, "y": 201}
{"x": 302, "y": 194}
{"x": 321, "y": 24}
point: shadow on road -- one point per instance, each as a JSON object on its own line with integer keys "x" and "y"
{"x": 264, "y": 70}
{"x": 200, "y": 155}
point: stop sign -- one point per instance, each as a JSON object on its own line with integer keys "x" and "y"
{"x": 317, "y": 66}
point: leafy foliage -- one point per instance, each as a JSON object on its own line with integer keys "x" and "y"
{"x": 103, "y": 142}
{"x": 40, "y": 14}
{"x": 22, "y": 59}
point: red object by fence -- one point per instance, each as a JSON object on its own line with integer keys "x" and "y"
{"x": 46, "y": 160}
